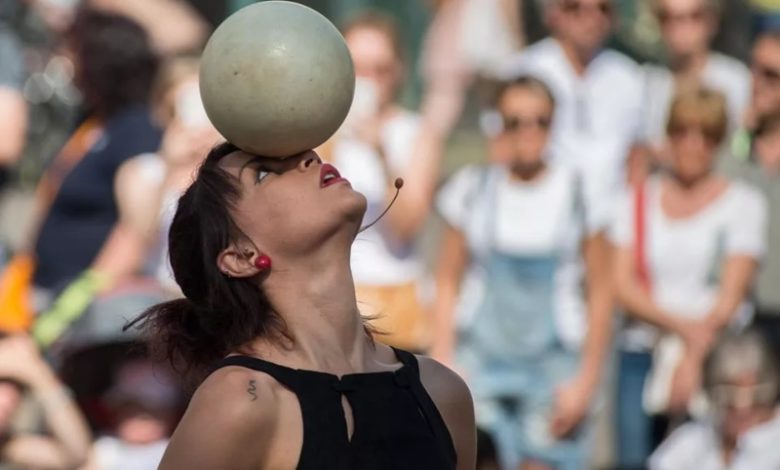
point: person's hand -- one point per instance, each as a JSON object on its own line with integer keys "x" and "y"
{"x": 685, "y": 382}
{"x": 183, "y": 145}
{"x": 572, "y": 401}
{"x": 698, "y": 335}
{"x": 20, "y": 360}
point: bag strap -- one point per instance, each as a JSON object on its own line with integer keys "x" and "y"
{"x": 640, "y": 235}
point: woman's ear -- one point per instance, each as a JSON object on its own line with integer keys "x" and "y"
{"x": 236, "y": 261}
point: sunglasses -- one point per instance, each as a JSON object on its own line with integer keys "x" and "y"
{"x": 513, "y": 123}
{"x": 578, "y": 8}
{"x": 765, "y": 72}
{"x": 711, "y": 135}
{"x": 734, "y": 396}
{"x": 694, "y": 16}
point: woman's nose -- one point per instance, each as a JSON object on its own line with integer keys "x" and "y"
{"x": 308, "y": 159}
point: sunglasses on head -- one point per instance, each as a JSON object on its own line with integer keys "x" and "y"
{"x": 513, "y": 123}
{"x": 677, "y": 131}
{"x": 694, "y": 16}
{"x": 577, "y": 8}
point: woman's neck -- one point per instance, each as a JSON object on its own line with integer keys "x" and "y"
{"x": 316, "y": 299}
{"x": 527, "y": 172}
{"x": 688, "y": 69}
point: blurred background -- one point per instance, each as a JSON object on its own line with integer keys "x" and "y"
{"x": 602, "y": 173}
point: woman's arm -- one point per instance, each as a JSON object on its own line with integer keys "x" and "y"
{"x": 453, "y": 400}
{"x": 229, "y": 424}
{"x": 174, "y": 26}
{"x": 68, "y": 444}
{"x": 737, "y": 276}
{"x": 638, "y": 303}
{"x": 453, "y": 258}
{"x": 574, "y": 398}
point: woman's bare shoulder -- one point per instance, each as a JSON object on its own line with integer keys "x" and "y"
{"x": 453, "y": 399}
{"x": 445, "y": 386}
{"x": 232, "y": 413}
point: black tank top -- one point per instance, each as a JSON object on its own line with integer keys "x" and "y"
{"x": 396, "y": 424}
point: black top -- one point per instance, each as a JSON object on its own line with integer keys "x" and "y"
{"x": 397, "y": 425}
{"x": 84, "y": 210}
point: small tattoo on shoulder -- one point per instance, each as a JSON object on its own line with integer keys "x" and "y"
{"x": 252, "y": 390}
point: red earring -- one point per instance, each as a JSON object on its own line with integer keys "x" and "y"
{"x": 263, "y": 263}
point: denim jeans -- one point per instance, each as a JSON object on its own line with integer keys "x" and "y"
{"x": 634, "y": 428}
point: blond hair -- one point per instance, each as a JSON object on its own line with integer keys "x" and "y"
{"x": 702, "y": 107}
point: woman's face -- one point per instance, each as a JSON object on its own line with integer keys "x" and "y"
{"x": 375, "y": 60}
{"x": 686, "y": 26}
{"x": 743, "y": 403}
{"x": 692, "y": 150}
{"x": 290, "y": 206}
{"x": 527, "y": 116}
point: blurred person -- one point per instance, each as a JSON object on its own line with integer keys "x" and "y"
{"x": 762, "y": 170}
{"x": 765, "y": 92}
{"x": 145, "y": 403}
{"x": 174, "y": 26}
{"x": 378, "y": 142}
{"x": 13, "y": 107}
{"x": 530, "y": 343}
{"x": 742, "y": 428}
{"x": 115, "y": 67}
{"x": 598, "y": 92}
{"x": 61, "y": 440}
{"x": 148, "y": 185}
{"x": 688, "y": 242}
{"x": 687, "y": 29}
{"x": 288, "y": 374}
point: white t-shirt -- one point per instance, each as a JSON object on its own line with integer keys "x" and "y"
{"x": 684, "y": 256}
{"x": 376, "y": 258}
{"x": 158, "y": 264}
{"x": 722, "y": 73}
{"x": 695, "y": 445}
{"x": 597, "y": 115}
{"x": 113, "y": 454}
{"x": 534, "y": 218}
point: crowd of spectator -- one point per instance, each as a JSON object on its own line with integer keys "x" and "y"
{"x": 614, "y": 244}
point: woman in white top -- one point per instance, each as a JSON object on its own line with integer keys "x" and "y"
{"x": 742, "y": 428}
{"x": 147, "y": 186}
{"x": 528, "y": 339}
{"x": 379, "y": 142}
{"x": 688, "y": 242}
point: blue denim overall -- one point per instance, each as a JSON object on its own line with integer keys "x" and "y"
{"x": 512, "y": 354}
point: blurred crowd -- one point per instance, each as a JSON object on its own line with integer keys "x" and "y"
{"x": 604, "y": 253}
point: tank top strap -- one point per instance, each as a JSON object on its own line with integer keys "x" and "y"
{"x": 426, "y": 404}
{"x": 283, "y": 375}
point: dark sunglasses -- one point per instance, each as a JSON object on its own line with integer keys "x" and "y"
{"x": 578, "y": 8}
{"x": 767, "y": 73}
{"x": 695, "y": 16}
{"x": 678, "y": 131}
{"x": 513, "y": 123}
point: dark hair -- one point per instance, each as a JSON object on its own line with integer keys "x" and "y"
{"x": 527, "y": 82}
{"x": 218, "y": 314}
{"x": 115, "y": 63}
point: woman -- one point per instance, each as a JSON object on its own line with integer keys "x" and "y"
{"x": 688, "y": 242}
{"x": 742, "y": 428}
{"x": 380, "y": 141}
{"x": 148, "y": 185}
{"x": 114, "y": 69}
{"x": 260, "y": 248}
{"x": 518, "y": 229}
